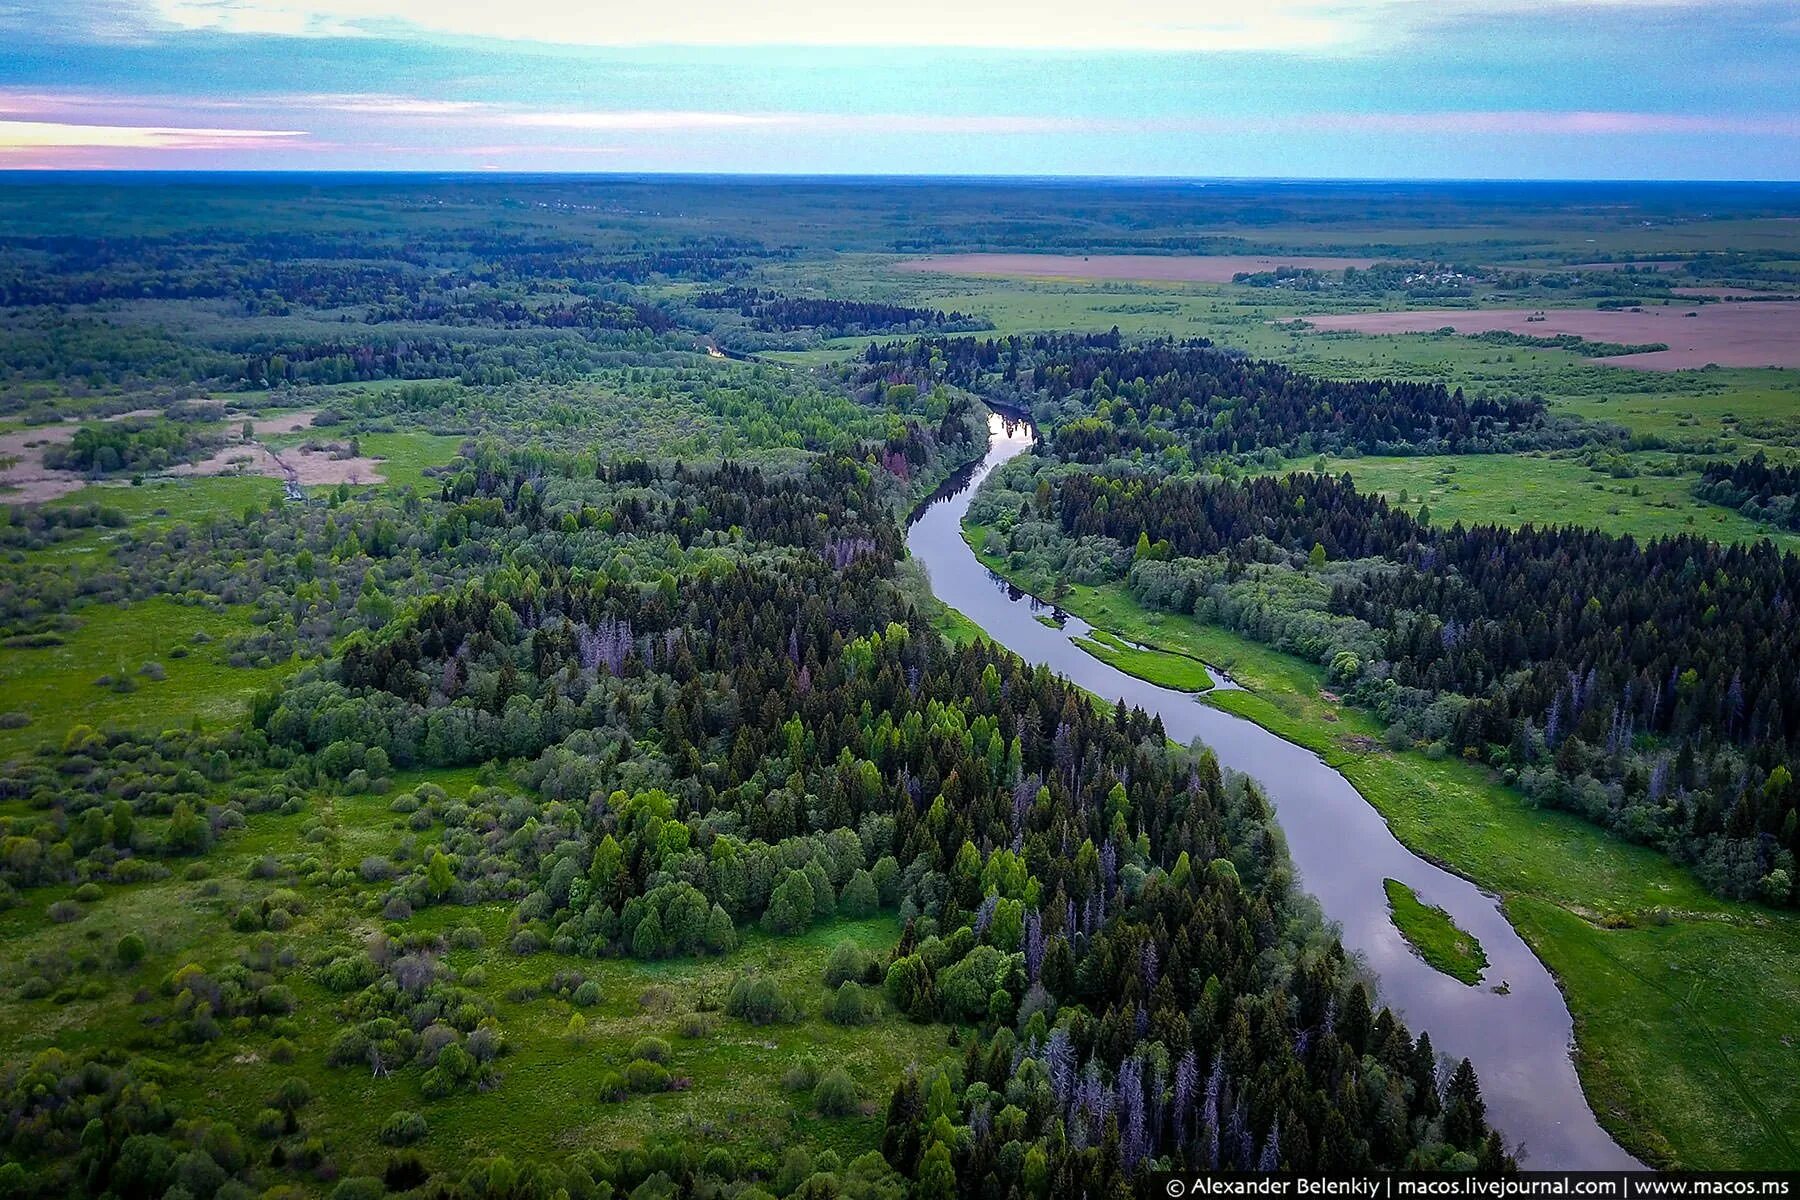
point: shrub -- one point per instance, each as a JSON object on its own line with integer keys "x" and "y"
{"x": 613, "y": 1087}
{"x": 402, "y": 1128}
{"x": 847, "y": 962}
{"x": 293, "y": 1095}
{"x": 359, "y": 1187}
{"x": 587, "y": 995}
{"x": 803, "y": 1076}
{"x": 652, "y": 1048}
{"x": 860, "y": 898}
{"x": 836, "y": 1095}
{"x": 850, "y": 1006}
{"x": 696, "y": 1025}
{"x": 757, "y": 999}
{"x": 642, "y": 1075}
{"x": 131, "y": 950}
{"x": 64, "y": 911}
{"x": 87, "y": 893}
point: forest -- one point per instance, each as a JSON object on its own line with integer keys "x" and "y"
{"x": 1643, "y": 686}
{"x": 1755, "y": 488}
{"x": 1182, "y": 402}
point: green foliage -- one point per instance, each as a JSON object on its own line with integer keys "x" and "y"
{"x": 836, "y": 1094}
{"x": 1434, "y": 935}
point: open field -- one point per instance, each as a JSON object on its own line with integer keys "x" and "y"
{"x": 1147, "y": 268}
{"x": 1729, "y": 335}
{"x": 1550, "y": 489}
{"x": 168, "y": 655}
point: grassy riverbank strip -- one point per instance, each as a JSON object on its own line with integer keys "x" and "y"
{"x": 1686, "y": 1006}
{"x": 1158, "y": 666}
{"x": 1431, "y": 932}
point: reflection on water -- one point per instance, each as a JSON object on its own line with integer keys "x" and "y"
{"x": 1514, "y": 1026}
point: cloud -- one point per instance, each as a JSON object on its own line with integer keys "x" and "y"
{"x": 1297, "y": 26}
{"x": 117, "y": 118}
{"x": 35, "y": 136}
{"x": 1536, "y": 123}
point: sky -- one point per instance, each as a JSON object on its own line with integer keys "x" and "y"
{"x": 1440, "y": 89}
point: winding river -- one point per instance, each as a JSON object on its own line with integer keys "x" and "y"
{"x": 1514, "y": 1027}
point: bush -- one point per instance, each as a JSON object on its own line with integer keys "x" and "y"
{"x": 613, "y": 1087}
{"x": 850, "y": 1006}
{"x": 293, "y": 1095}
{"x": 757, "y": 999}
{"x": 860, "y": 899}
{"x": 642, "y": 1075}
{"x": 402, "y": 1128}
{"x": 652, "y": 1048}
{"x": 87, "y": 893}
{"x": 359, "y": 1187}
{"x": 836, "y": 1095}
{"x": 587, "y": 995}
{"x": 803, "y": 1076}
{"x": 847, "y": 962}
{"x": 131, "y": 950}
{"x": 64, "y": 911}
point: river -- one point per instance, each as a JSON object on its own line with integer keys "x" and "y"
{"x": 1514, "y": 1026}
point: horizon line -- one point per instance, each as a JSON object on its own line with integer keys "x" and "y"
{"x": 10, "y": 174}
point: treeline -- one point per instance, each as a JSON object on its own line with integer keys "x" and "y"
{"x": 1645, "y": 685}
{"x": 473, "y": 358}
{"x": 503, "y": 310}
{"x": 775, "y": 311}
{"x": 1573, "y": 343}
{"x": 1186, "y": 400}
{"x": 1756, "y": 489}
{"x": 270, "y": 271}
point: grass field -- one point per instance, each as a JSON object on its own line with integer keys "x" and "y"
{"x": 1432, "y": 933}
{"x": 56, "y": 685}
{"x": 1686, "y": 1006}
{"x": 1545, "y": 489}
{"x": 1159, "y": 666}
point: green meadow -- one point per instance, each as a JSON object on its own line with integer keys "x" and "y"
{"x": 163, "y": 663}
{"x": 1431, "y": 932}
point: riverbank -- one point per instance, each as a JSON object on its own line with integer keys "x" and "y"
{"x": 1685, "y": 1005}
